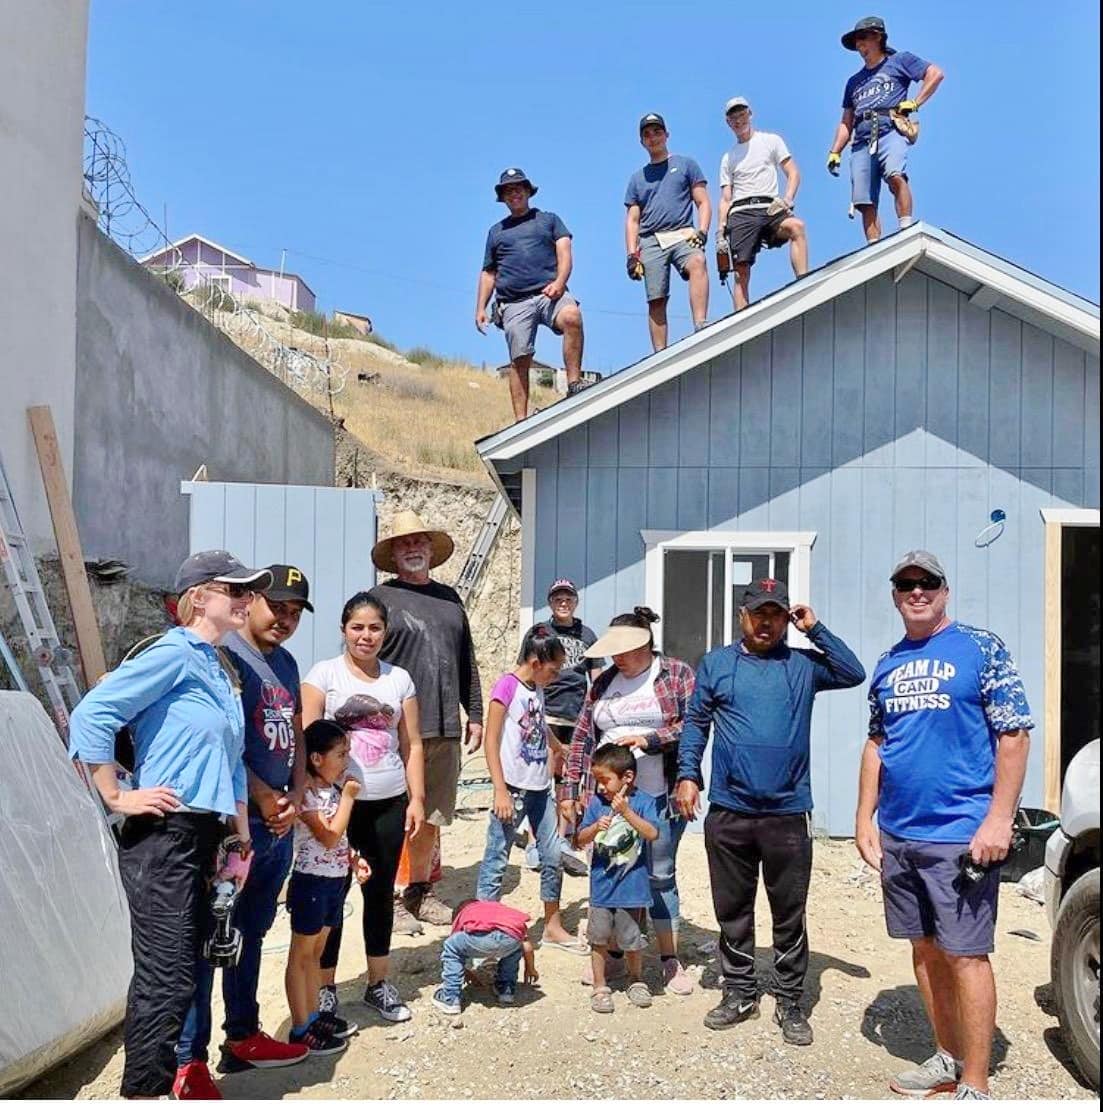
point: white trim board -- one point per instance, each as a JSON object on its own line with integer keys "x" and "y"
{"x": 1067, "y": 515}
{"x": 528, "y": 548}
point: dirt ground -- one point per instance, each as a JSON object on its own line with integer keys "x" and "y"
{"x": 867, "y": 1015}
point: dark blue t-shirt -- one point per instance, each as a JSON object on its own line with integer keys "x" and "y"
{"x": 617, "y": 886}
{"x": 940, "y": 704}
{"x": 521, "y": 252}
{"x": 664, "y": 192}
{"x": 883, "y": 86}
{"x": 270, "y": 697}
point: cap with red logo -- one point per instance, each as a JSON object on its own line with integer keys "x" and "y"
{"x": 762, "y": 591}
{"x": 564, "y": 585}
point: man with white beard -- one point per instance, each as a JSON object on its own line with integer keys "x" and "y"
{"x": 428, "y": 635}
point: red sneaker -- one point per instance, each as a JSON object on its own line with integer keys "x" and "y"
{"x": 262, "y": 1052}
{"x": 193, "y": 1082}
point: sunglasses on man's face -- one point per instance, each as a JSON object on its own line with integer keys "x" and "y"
{"x": 927, "y": 583}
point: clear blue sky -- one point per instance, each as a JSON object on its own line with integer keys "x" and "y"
{"x": 365, "y": 138}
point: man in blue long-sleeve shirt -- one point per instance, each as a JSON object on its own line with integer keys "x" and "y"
{"x": 757, "y": 696}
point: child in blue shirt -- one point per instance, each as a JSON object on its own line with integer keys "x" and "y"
{"x": 618, "y": 819}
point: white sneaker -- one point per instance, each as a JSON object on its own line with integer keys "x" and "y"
{"x": 938, "y": 1074}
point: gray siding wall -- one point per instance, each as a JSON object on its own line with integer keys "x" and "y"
{"x": 159, "y": 391}
{"x": 897, "y": 416}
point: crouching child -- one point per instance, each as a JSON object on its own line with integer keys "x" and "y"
{"x": 618, "y": 820}
{"x": 485, "y": 930}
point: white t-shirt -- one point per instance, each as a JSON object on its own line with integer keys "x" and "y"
{"x": 750, "y": 168}
{"x": 524, "y": 743}
{"x": 627, "y": 707}
{"x": 310, "y": 855}
{"x": 370, "y": 711}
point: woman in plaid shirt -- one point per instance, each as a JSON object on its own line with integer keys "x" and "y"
{"x": 639, "y": 702}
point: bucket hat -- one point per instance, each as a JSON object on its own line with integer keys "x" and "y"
{"x": 513, "y": 176}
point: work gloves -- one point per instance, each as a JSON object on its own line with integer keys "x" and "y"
{"x": 699, "y": 238}
{"x": 906, "y": 107}
{"x": 834, "y": 160}
{"x": 635, "y": 266}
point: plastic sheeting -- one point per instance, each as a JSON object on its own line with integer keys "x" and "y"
{"x": 65, "y": 956}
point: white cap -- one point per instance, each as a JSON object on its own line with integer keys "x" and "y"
{"x": 736, "y": 102}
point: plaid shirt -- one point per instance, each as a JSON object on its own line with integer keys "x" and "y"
{"x": 673, "y": 687}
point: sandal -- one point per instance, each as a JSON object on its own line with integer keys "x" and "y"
{"x": 601, "y": 1001}
{"x": 639, "y": 994}
{"x": 579, "y": 949}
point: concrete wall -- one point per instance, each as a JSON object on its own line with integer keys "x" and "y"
{"x": 42, "y": 49}
{"x": 160, "y": 391}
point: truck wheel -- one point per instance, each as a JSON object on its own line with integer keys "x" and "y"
{"x": 1074, "y": 966}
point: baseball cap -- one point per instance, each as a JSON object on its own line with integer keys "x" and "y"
{"x": 289, "y": 585}
{"x": 652, "y": 118}
{"x": 513, "y": 176}
{"x": 562, "y": 585}
{"x": 919, "y": 558}
{"x": 762, "y": 591}
{"x": 218, "y": 566}
{"x": 736, "y": 102}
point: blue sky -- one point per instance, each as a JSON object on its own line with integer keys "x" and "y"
{"x": 365, "y": 138}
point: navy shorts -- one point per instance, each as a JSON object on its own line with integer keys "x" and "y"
{"x": 315, "y": 902}
{"x": 926, "y": 897}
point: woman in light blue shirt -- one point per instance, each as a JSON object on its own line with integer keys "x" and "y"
{"x": 183, "y": 707}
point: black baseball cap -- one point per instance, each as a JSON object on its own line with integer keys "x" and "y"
{"x": 564, "y": 585}
{"x": 652, "y": 118}
{"x": 288, "y": 585}
{"x": 762, "y": 591}
{"x": 219, "y": 566}
{"x": 867, "y": 23}
{"x": 513, "y": 176}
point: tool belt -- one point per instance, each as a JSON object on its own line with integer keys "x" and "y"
{"x": 905, "y": 124}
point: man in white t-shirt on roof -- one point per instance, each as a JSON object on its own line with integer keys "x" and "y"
{"x": 752, "y": 213}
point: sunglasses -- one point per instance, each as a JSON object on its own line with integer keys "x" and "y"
{"x": 927, "y": 583}
{"x": 233, "y": 590}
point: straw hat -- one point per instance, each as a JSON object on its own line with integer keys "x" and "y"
{"x": 405, "y": 524}
{"x": 619, "y": 639}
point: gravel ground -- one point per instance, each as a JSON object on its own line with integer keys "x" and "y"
{"x": 866, "y": 1012}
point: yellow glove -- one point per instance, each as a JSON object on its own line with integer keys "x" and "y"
{"x": 834, "y": 160}
{"x": 907, "y": 107}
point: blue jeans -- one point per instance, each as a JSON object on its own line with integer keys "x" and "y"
{"x": 253, "y": 916}
{"x": 662, "y": 855}
{"x": 462, "y": 946}
{"x": 539, "y": 808}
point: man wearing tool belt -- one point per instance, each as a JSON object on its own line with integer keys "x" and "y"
{"x": 880, "y": 121}
{"x": 752, "y": 215}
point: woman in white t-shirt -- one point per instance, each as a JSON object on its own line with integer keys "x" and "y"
{"x": 516, "y": 746}
{"x": 375, "y": 703}
{"x": 639, "y": 702}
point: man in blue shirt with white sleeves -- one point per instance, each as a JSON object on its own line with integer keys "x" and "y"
{"x": 756, "y": 696}
{"x": 943, "y": 768}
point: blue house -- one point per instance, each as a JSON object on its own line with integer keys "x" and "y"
{"x": 919, "y": 392}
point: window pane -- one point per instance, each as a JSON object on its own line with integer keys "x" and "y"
{"x": 746, "y": 567}
{"x": 781, "y": 567}
{"x": 685, "y": 603}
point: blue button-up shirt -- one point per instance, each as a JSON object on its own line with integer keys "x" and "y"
{"x": 185, "y": 718}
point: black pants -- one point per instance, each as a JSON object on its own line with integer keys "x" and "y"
{"x": 165, "y": 864}
{"x": 736, "y": 845}
{"x": 376, "y": 831}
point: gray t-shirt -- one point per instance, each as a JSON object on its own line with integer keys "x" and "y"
{"x": 664, "y": 192}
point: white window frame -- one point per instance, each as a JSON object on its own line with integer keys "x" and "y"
{"x": 797, "y": 544}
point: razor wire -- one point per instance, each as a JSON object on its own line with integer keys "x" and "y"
{"x": 122, "y": 217}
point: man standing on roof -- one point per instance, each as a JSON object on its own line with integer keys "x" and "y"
{"x": 659, "y": 229}
{"x": 880, "y": 121}
{"x": 526, "y": 266}
{"x": 752, "y": 214}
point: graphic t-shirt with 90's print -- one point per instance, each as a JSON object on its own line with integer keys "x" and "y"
{"x": 524, "y": 743}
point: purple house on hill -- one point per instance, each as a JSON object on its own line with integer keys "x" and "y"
{"x": 202, "y": 261}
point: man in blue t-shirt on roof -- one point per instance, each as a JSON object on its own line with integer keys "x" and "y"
{"x": 660, "y": 229}
{"x": 874, "y": 99}
{"x": 526, "y": 266}
{"x": 943, "y": 768}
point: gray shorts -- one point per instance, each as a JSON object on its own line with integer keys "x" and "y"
{"x": 520, "y": 319}
{"x": 616, "y": 928}
{"x": 925, "y": 897}
{"x": 657, "y": 262}
{"x": 443, "y": 757}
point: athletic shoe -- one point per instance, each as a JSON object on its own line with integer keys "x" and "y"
{"x": 450, "y": 1005}
{"x": 384, "y": 998}
{"x": 194, "y": 1082}
{"x": 327, "y": 999}
{"x": 576, "y": 387}
{"x": 336, "y": 1025}
{"x": 795, "y": 1028}
{"x": 675, "y": 978}
{"x": 319, "y": 1042}
{"x": 967, "y": 1092}
{"x": 731, "y": 1010}
{"x": 424, "y": 906}
{"x": 505, "y": 994}
{"x": 639, "y": 994}
{"x": 938, "y": 1074}
{"x": 404, "y": 922}
{"x": 261, "y": 1052}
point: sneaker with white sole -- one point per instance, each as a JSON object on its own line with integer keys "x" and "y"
{"x": 449, "y": 1005}
{"x": 938, "y": 1074}
{"x": 384, "y": 998}
{"x": 319, "y": 1042}
{"x": 675, "y": 978}
{"x": 967, "y": 1092}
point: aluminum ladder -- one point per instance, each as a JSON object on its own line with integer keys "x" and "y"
{"x": 475, "y": 565}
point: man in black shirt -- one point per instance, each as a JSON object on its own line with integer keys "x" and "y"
{"x": 428, "y": 635}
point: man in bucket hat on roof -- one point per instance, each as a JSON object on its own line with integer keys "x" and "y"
{"x": 526, "y": 266}
{"x": 428, "y": 635}
{"x": 880, "y": 121}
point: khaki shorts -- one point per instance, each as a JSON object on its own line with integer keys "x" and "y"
{"x": 443, "y": 756}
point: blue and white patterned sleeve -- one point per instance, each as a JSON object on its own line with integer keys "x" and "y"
{"x": 876, "y": 711}
{"x": 1001, "y": 687}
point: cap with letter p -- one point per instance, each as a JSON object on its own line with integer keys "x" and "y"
{"x": 919, "y": 558}
{"x": 288, "y": 585}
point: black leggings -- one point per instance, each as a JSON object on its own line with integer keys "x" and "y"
{"x": 376, "y": 831}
